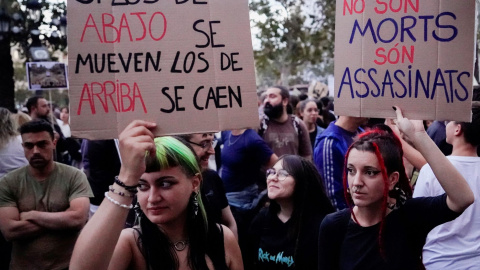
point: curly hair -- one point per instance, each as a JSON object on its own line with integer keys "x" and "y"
{"x": 7, "y": 130}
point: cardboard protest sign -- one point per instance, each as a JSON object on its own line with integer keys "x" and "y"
{"x": 417, "y": 54}
{"x": 184, "y": 64}
{"x": 46, "y": 75}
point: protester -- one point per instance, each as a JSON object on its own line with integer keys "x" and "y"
{"x": 244, "y": 155}
{"x": 101, "y": 163}
{"x": 329, "y": 154}
{"x": 63, "y": 122}
{"x": 284, "y": 235}
{"x": 173, "y": 231}
{"x": 43, "y": 205}
{"x": 11, "y": 151}
{"x": 11, "y": 157}
{"x": 38, "y": 108}
{"x": 309, "y": 114}
{"x": 326, "y": 115}
{"x": 384, "y": 228}
{"x": 212, "y": 190}
{"x": 436, "y": 131}
{"x": 284, "y": 133}
{"x": 456, "y": 244}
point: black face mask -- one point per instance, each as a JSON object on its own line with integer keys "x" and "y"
{"x": 273, "y": 112}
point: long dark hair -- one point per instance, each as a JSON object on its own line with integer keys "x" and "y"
{"x": 388, "y": 149}
{"x": 309, "y": 197}
{"x": 203, "y": 238}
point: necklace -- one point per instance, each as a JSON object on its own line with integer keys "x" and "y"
{"x": 230, "y": 143}
{"x": 180, "y": 245}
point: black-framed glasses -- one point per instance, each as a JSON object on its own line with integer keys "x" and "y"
{"x": 205, "y": 144}
{"x": 281, "y": 174}
{"x": 40, "y": 144}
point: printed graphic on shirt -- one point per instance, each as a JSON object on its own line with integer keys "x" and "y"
{"x": 265, "y": 256}
{"x": 280, "y": 140}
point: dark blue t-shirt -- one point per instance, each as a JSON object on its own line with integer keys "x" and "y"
{"x": 242, "y": 159}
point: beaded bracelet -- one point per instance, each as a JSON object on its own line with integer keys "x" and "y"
{"x": 118, "y": 203}
{"x": 131, "y": 189}
{"x": 123, "y": 194}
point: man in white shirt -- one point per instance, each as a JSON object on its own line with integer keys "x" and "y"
{"x": 456, "y": 244}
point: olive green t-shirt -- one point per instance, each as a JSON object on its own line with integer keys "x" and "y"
{"x": 50, "y": 249}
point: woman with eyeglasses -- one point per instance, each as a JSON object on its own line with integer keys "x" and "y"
{"x": 285, "y": 235}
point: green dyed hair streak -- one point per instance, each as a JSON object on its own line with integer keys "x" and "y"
{"x": 170, "y": 153}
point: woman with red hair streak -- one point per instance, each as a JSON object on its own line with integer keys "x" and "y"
{"x": 384, "y": 228}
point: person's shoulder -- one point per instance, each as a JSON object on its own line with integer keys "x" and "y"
{"x": 260, "y": 217}
{"x": 14, "y": 174}
{"x": 338, "y": 216}
{"x": 335, "y": 222}
{"x": 210, "y": 175}
{"x": 67, "y": 169}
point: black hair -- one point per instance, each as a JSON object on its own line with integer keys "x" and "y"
{"x": 471, "y": 130}
{"x": 35, "y": 126}
{"x": 32, "y": 102}
{"x": 284, "y": 92}
{"x": 309, "y": 196}
{"x": 204, "y": 238}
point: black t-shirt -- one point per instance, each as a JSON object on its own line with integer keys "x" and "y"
{"x": 213, "y": 195}
{"x": 403, "y": 238}
{"x": 272, "y": 249}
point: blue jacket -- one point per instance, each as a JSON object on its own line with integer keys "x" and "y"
{"x": 329, "y": 157}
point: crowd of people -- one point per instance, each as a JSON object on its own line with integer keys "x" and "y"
{"x": 306, "y": 189}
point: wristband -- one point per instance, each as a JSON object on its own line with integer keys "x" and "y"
{"x": 131, "y": 189}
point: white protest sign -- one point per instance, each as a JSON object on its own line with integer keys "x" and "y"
{"x": 184, "y": 64}
{"x": 417, "y": 54}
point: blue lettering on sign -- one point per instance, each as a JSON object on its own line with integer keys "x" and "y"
{"x": 449, "y": 84}
{"x": 402, "y": 29}
{"x": 264, "y": 256}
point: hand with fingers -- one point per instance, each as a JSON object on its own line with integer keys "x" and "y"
{"x": 136, "y": 140}
{"x": 408, "y": 128}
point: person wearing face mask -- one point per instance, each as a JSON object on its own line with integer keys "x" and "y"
{"x": 284, "y": 133}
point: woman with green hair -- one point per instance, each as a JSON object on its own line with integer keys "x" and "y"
{"x": 172, "y": 231}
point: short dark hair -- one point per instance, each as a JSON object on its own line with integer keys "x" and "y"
{"x": 65, "y": 107}
{"x": 284, "y": 92}
{"x": 186, "y": 137}
{"x": 32, "y": 102}
{"x": 303, "y": 104}
{"x": 35, "y": 126}
{"x": 471, "y": 131}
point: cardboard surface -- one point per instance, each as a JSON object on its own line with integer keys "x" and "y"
{"x": 185, "y": 64}
{"x": 416, "y": 54}
{"x": 46, "y": 75}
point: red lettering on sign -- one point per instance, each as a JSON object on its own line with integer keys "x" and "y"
{"x": 122, "y": 97}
